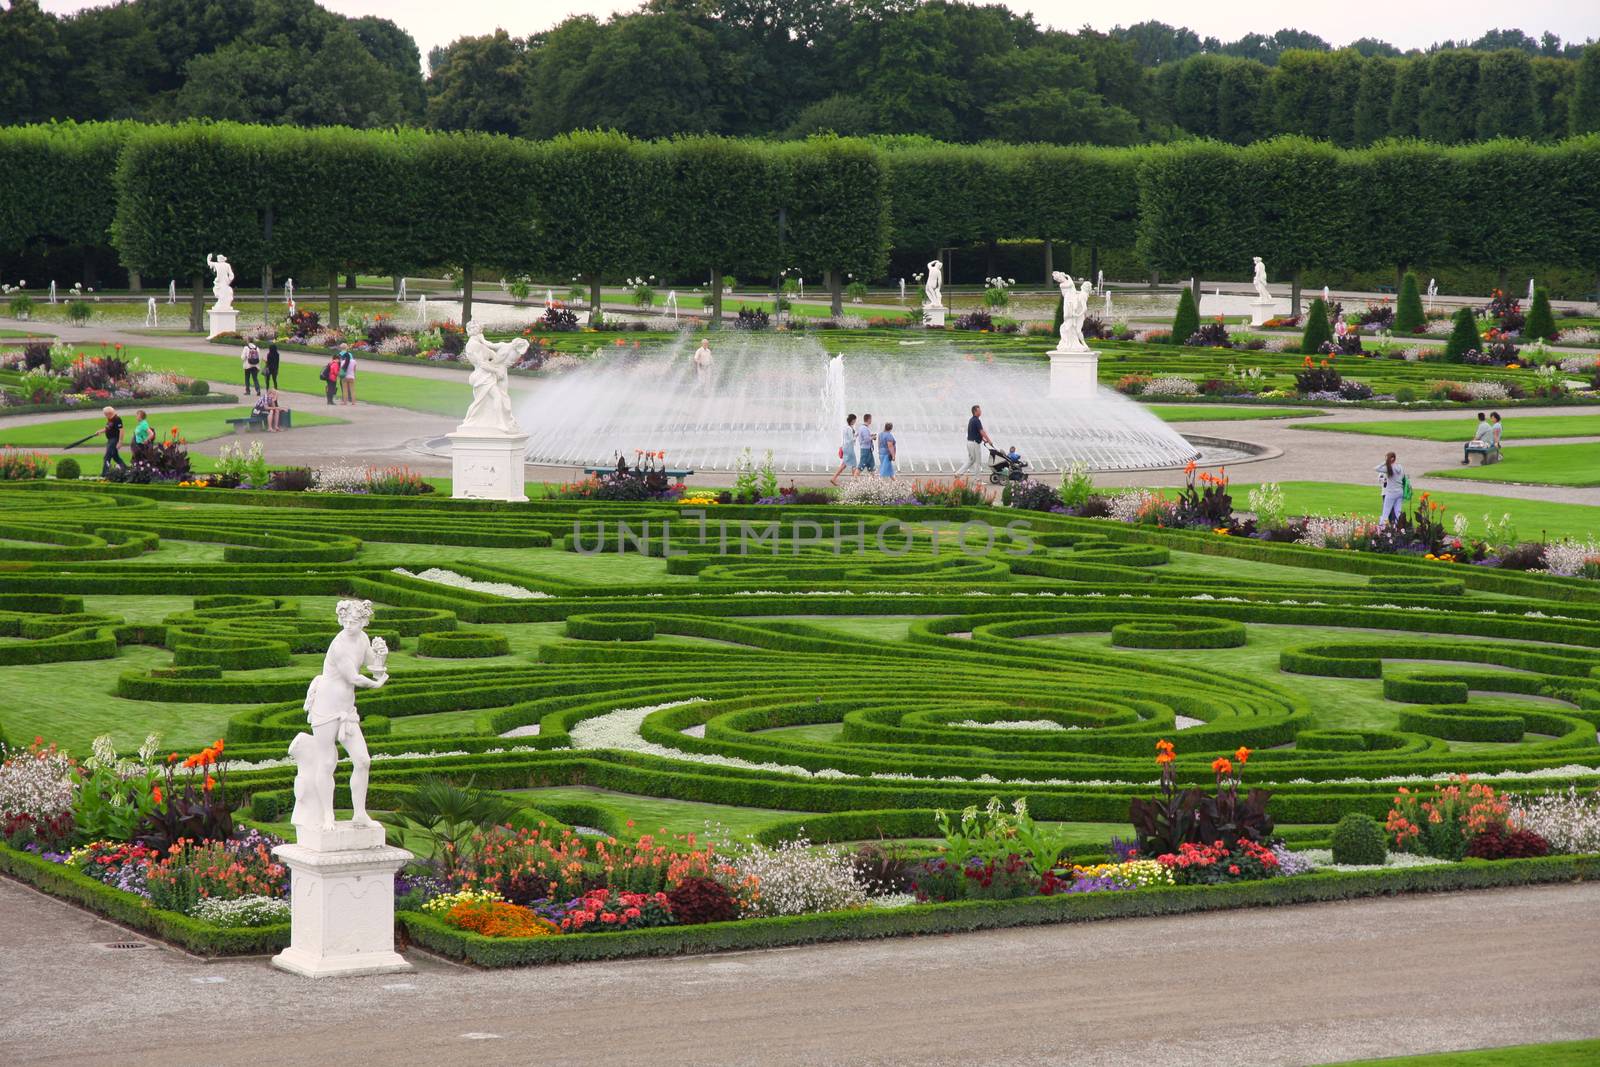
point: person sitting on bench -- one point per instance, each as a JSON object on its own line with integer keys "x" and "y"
{"x": 1482, "y": 441}
{"x": 266, "y": 409}
{"x": 1494, "y": 421}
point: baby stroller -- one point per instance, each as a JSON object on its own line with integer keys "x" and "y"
{"x": 1005, "y": 469}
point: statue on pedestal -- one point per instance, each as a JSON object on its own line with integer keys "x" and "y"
{"x": 222, "y": 288}
{"x": 331, "y": 710}
{"x": 491, "y": 390}
{"x": 1074, "y": 307}
{"x": 933, "y": 288}
{"x": 1263, "y": 294}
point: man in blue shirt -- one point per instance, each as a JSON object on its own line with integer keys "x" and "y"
{"x": 864, "y": 442}
{"x": 977, "y": 437}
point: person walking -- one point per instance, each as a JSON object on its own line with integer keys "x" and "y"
{"x": 142, "y": 435}
{"x": 347, "y": 375}
{"x": 330, "y": 378}
{"x": 1392, "y": 484}
{"x": 1480, "y": 440}
{"x": 270, "y": 371}
{"x": 864, "y": 443}
{"x": 250, "y": 359}
{"x": 702, "y": 362}
{"x": 887, "y": 452}
{"x": 113, "y": 432}
{"x": 847, "y": 450}
{"x": 977, "y": 437}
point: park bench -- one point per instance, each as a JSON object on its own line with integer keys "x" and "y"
{"x": 253, "y": 421}
{"x": 1489, "y": 452}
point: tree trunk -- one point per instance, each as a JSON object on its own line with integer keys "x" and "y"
{"x": 1195, "y": 285}
{"x": 989, "y": 269}
{"x": 716, "y": 300}
{"x": 595, "y": 314}
{"x": 88, "y": 268}
{"x": 835, "y": 294}
{"x": 350, "y": 282}
{"x": 1094, "y": 263}
{"x": 1155, "y": 278}
{"x": 333, "y": 298}
{"x": 135, "y": 283}
{"x": 1049, "y": 260}
{"x": 399, "y": 284}
{"x": 466, "y": 294}
{"x": 1294, "y": 292}
{"x": 266, "y": 295}
{"x": 1399, "y": 278}
{"x": 197, "y": 308}
{"x": 1501, "y": 284}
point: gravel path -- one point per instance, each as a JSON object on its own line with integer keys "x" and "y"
{"x": 1293, "y": 985}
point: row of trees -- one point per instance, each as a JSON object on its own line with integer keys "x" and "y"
{"x": 953, "y": 70}
{"x": 599, "y": 206}
{"x": 1450, "y": 97}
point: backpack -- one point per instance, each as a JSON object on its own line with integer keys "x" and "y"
{"x": 326, "y": 367}
{"x": 1405, "y": 487}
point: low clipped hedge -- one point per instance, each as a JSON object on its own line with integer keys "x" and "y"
{"x": 463, "y": 644}
{"x": 1179, "y": 633}
{"x": 435, "y": 935}
{"x": 201, "y": 938}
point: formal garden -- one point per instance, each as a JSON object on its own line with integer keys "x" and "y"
{"x": 646, "y": 727}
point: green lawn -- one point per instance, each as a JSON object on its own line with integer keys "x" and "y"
{"x": 372, "y": 385}
{"x": 1222, "y": 412}
{"x": 1572, "y": 465}
{"x": 194, "y": 426}
{"x": 1555, "y": 1054}
{"x": 1533, "y": 518}
{"x": 1461, "y": 427}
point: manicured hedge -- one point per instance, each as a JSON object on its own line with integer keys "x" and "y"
{"x": 434, "y": 935}
{"x": 463, "y": 644}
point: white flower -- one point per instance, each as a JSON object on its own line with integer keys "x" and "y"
{"x": 461, "y": 581}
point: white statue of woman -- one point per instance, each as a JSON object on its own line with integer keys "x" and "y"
{"x": 222, "y": 288}
{"x": 491, "y": 391}
{"x": 1074, "y": 306}
{"x": 933, "y": 288}
{"x": 331, "y": 711}
{"x": 1263, "y": 294}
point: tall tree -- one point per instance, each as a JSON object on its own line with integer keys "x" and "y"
{"x": 1583, "y": 115}
{"x": 1505, "y": 95}
{"x": 479, "y": 83}
{"x": 31, "y": 57}
{"x": 1449, "y": 106}
{"x": 1374, "y": 96}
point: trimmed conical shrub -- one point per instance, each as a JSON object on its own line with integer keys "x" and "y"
{"x": 1187, "y": 320}
{"x": 1463, "y": 337}
{"x": 1408, "y": 314}
{"x": 1318, "y": 332}
{"x": 1541, "y": 323}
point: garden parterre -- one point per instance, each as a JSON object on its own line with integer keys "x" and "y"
{"x": 664, "y": 659}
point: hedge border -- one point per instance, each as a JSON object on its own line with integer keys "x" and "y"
{"x": 962, "y": 916}
{"x": 201, "y": 938}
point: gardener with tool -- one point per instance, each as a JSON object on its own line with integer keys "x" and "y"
{"x": 113, "y": 431}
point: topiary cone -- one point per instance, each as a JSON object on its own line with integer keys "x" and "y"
{"x": 1408, "y": 314}
{"x": 1463, "y": 337}
{"x": 1187, "y": 320}
{"x": 1541, "y": 322}
{"x": 1318, "y": 332}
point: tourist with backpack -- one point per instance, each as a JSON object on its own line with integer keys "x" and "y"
{"x": 347, "y": 375}
{"x": 330, "y": 377}
{"x": 250, "y": 358}
{"x": 1392, "y": 484}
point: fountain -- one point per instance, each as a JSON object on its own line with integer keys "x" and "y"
{"x": 422, "y": 310}
{"x": 786, "y": 394}
{"x": 172, "y": 291}
{"x": 52, "y": 290}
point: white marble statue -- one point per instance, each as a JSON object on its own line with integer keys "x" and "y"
{"x": 1100, "y": 280}
{"x": 1074, "y": 306}
{"x": 288, "y": 289}
{"x": 933, "y": 288}
{"x": 151, "y": 317}
{"x": 1263, "y": 294}
{"x": 331, "y": 711}
{"x": 491, "y": 391}
{"x": 222, "y": 288}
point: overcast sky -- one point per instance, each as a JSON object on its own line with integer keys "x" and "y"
{"x": 1407, "y": 24}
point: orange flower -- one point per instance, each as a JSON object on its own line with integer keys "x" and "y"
{"x": 1164, "y": 745}
{"x": 155, "y": 794}
{"x": 1243, "y": 755}
{"x": 211, "y": 783}
{"x": 1164, "y": 758}
{"x": 1221, "y": 765}
{"x": 1190, "y": 468}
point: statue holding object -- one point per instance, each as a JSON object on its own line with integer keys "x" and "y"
{"x": 222, "y": 287}
{"x": 331, "y": 712}
{"x": 491, "y": 388}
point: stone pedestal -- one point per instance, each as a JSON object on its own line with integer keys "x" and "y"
{"x": 1074, "y": 374}
{"x": 341, "y": 903}
{"x": 485, "y": 465}
{"x": 1261, "y": 311}
{"x": 219, "y": 322}
{"x": 933, "y": 315}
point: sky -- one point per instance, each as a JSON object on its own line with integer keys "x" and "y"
{"x": 1407, "y": 24}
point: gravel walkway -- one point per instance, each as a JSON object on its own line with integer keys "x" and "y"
{"x": 1266, "y": 986}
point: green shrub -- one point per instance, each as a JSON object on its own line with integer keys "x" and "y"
{"x": 1463, "y": 337}
{"x": 1359, "y": 840}
{"x": 463, "y": 644}
{"x": 1318, "y": 331}
{"x": 199, "y": 387}
{"x": 1187, "y": 320}
{"x": 1405, "y": 395}
{"x": 1408, "y": 313}
{"x": 67, "y": 469}
{"x": 1540, "y": 324}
